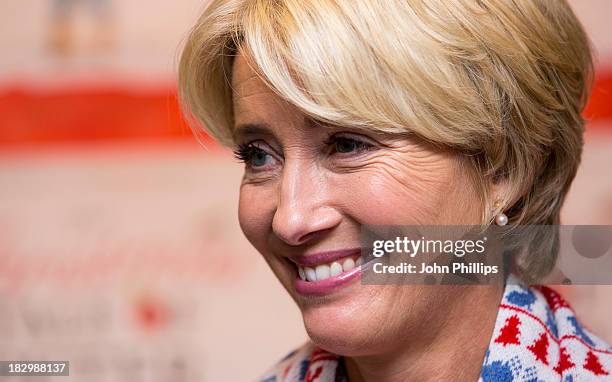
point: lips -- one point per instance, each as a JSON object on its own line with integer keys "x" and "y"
{"x": 323, "y": 273}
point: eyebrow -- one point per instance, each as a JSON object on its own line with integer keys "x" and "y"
{"x": 246, "y": 129}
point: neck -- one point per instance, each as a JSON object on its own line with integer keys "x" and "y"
{"x": 447, "y": 346}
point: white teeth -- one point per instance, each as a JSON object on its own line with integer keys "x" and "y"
{"x": 325, "y": 271}
{"x": 335, "y": 269}
{"x": 348, "y": 264}
{"x": 322, "y": 272}
{"x": 310, "y": 274}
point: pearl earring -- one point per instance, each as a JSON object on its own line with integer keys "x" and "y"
{"x": 501, "y": 218}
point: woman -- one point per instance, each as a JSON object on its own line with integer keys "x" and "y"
{"x": 401, "y": 112}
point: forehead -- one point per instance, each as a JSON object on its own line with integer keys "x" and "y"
{"x": 244, "y": 78}
{"x": 249, "y": 92}
{"x": 256, "y": 103}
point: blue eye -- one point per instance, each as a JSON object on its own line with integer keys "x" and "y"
{"x": 258, "y": 158}
{"x": 252, "y": 155}
{"x": 347, "y": 145}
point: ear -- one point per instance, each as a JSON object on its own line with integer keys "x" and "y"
{"x": 500, "y": 195}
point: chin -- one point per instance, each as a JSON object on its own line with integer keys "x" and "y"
{"x": 348, "y": 326}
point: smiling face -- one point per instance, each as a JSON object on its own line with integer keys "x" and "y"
{"x": 307, "y": 190}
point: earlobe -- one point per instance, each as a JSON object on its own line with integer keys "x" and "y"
{"x": 501, "y": 219}
{"x": 499, "y": 196}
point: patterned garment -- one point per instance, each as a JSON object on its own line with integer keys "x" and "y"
{"x": 537, "y": 338}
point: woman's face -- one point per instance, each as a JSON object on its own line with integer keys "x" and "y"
{"x": 307, "y": 190}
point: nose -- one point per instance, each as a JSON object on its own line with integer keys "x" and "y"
{"x": 304, "y": 208}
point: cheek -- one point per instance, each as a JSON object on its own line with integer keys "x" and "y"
{"x": 255, "y": 213}
{"x": 396, "y": 194}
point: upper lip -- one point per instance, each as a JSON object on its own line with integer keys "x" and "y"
{"x": 311, "y": 260}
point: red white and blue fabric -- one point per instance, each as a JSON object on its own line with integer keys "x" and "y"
{"x": 537, "y": 338}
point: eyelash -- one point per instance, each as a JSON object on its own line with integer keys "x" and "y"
{"x": 361, "y": 145}
{"x": 243, "y": 152}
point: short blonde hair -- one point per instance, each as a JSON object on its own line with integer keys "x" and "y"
{"x": 502, "y": 82}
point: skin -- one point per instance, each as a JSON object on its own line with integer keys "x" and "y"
{"x": 305, "y": 193}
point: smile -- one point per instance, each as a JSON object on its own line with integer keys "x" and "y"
{"x": 325, "y": 272}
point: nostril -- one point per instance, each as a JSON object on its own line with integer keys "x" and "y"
{"x": 297, "y": 225}
{"x": 311, "y": 236}
{"x": 306, "y": 237}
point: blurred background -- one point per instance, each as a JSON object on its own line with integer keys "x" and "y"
{"x": 119, "y": 243}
